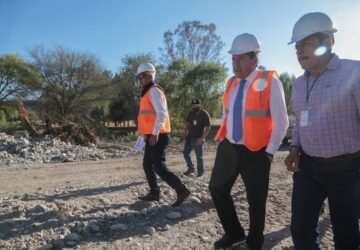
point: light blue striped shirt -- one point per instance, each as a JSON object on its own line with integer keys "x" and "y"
{"x": 333, "y": 110}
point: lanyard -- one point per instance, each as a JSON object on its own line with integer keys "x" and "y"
{"x": 308, "y": 91}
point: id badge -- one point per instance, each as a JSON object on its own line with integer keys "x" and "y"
{"x": 304, "y": 118}
{"x": 194, "y": 122}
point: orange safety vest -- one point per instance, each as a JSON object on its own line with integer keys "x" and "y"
{"x": 147, "y": 115}
{"x": 258, "y": 123}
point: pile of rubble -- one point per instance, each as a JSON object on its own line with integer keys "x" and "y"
{"x": 47, "y": 149}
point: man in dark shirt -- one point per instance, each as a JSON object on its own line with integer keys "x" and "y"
{"x": 196, "y": 129}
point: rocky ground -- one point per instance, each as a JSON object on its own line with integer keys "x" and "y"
{"x": 93, "y": 204}
{"x": 21, "y": 150}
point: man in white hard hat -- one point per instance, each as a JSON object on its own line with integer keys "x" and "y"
{"x": 253, "y": 125}
{"x": 325, "y": 148}
{"x": 154, "y": 125}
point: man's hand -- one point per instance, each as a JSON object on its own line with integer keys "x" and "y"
{"x": 199, "y": 141}
{"x": 292, "y": 160}
{"x": 153, "y": 140}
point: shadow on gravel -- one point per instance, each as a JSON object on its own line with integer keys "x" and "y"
{"x": 83, "y": 192}
{"x": 137, "y": 217}
{"x": 277, "y": 236}
{"x": 14, "y": 225}
{"x": 142, "y": 217}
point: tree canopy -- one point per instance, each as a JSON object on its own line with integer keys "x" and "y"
{"x": 287, "y": 81}
{"x": 74, "y": 82}
{"x": 192, "y": 41}
{"x": 17, "y": 77}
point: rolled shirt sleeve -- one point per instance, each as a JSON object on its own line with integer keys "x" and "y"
{"x": 158, "y": 100}
{"x": 278, "y": 115}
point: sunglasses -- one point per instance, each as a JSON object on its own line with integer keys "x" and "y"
{"x": 141, "y": 76}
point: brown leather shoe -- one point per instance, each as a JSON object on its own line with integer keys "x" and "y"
{"x": 181, "y": 197}
{"x": 150, "y": 197}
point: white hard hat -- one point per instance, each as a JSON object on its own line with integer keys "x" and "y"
{"x": 146, "y": 67}
{"x": 311, "y": 23}
{"x": 245, "y": 43}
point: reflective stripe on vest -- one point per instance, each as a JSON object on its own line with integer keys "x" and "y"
{"x": 257, "y": 117}
{"x": 147, "y": 112}
{"x": 147, "y": 115}
{"x": 257, "y": 113}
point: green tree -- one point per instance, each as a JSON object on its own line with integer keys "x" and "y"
{"x": 8, "y": 115}
{"x": 75, "y": 83}
{"x": 116, "y": 112}
{"x": 287, "y": 81}
{"x": 17, "y": 77}
{"x": 192, "y": 41}
{"x": 184, "y": 81}
{"x": 123, "y": 83}
{"x": 99, "y": 114}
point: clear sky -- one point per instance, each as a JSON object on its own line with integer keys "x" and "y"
{"x": 112, "y": 29}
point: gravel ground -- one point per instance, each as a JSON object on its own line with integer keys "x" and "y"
{"x": 94, "y": 205}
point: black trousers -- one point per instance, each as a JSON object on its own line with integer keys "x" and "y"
{"x": 254, "y": 168}
{"x": 154, "y": 162}
{"x": 337, "y": 181}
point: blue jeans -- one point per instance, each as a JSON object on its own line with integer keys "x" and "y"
{"x": 315, "y": 181}
{"x": 190, "y": 144}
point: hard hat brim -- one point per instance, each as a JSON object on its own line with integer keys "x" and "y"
{"x": 301, "y": 37}
{"x": 147, "y": 72}
{"x": 240, "y": 52}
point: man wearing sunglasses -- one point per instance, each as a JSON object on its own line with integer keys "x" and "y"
{"x": 154, "y": 125}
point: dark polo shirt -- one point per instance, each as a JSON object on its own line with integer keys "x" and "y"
{"x": 197, "y": 122}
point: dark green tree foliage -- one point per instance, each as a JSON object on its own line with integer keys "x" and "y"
{"x": 287, "y": 81}
{"x": 98, "y": 114}
{"x": 8, "y": 115}
{"x": 75, "y": 83}
{"x": 192, "y": 41}
{"x": 128, "y": 93}
{"x": 17, "y": 77}
{"x": 183, "y": 82}
{"x": 116, "y": 112}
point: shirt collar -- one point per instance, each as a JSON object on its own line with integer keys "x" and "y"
{"x": 251, "y": 76}
{"x": 334, "y": 63}
{"x": 146, "y": 88}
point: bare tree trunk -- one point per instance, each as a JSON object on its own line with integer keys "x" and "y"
{"x": 24, "y": 117}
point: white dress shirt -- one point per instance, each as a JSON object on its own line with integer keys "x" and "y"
{"x": 158, "y": 100}
{"x": 277, "y": 110}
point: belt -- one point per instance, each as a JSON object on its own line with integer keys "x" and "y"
{"x": 341, "y": 159}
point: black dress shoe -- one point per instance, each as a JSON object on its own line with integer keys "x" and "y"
{"x": 181, "y": 197}
{"x": 188, "y": 172}
{"x": 228, "y": 241}
{"x": 150, "y": 197}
